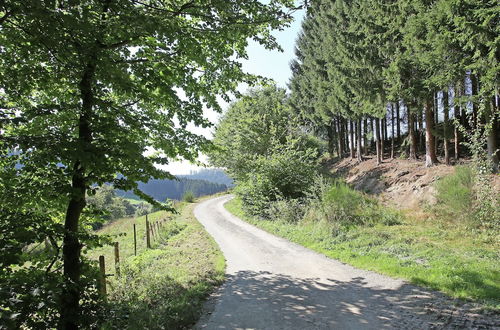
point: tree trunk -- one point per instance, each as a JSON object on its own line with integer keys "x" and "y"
{"x": 475, "y": 92}
{"x": 372, "y": 130}
{"x": 386, "y": 135}
{"x": 365, "y": 134}
{"x": 456, "y": 113}
{"x": 377, "y": 141}
{"x": 411, "y": 134}
{"x": 446, "y": 112}
{"x": 70, "y": 297}
{"x": 358, "y": 140}
{"x": 436, "y": 121}
{"x": 351, "y": 140}
{"x": 381, "y": 137}
{"x": 339, "y": 140}
{"x": 492, "y": 147}
{"x": 398, "y": 122}
{"x": 420, "y": 130}
{"x": 330, "y": 130}
{"x": 392, "y": 130}
{"x": 430, "y": 150}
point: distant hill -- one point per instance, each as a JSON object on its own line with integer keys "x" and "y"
{"x": 175, "y": 189}
{"x": 214, "y": 175}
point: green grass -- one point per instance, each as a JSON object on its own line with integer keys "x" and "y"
{"x": 163, "y": 287}
{"x": 451, "y": 259}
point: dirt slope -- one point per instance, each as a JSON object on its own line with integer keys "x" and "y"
{"x": 401, "y": 183}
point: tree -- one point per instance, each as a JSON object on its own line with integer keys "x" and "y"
{"x": 88, "y": 87}
{"x": 248, "y": 128}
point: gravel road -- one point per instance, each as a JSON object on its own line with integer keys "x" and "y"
{"x": 275, "y": 284}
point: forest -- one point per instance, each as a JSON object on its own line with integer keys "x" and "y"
{"x": 412, "y": 78}
{"x": 161, "y": 190}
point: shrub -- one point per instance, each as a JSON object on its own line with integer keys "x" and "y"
{"x": 287, "y": 211}
{"x": 188, "y": 197}
{"x": 287, "y": 173}
{"x": 340, "y": 206}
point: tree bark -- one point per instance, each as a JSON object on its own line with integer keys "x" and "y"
{"x": 330, "y": 130}
{"x": 430, "y": 150}
{"x": 392, "y": 130}
{"x": 71, "y": 292}
{"x": 365, "y": 134}
{"x": 491, "y": 141}
{"x": 446, "y": 112}
{"x": 398, "y": 122}
{"x": 420, "y": 130}
{"x": 381, "y": 137}
{"x": 340, "y": 139}
{"x": 358, "y": 140}
{"x": 351, "y": 140}
{"x": 475, "y": 92}
{"x": 411, "y": 134}
{"x": 456, "y": 113}
{"x": 377, "y": 141}
{"x": 436, "y": 121}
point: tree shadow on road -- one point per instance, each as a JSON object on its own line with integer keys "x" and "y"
{"x": 262, "y": 300}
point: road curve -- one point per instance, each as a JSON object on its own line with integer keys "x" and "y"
{"x": 274, "y": 284}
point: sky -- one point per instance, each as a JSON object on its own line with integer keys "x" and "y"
{"x": 271, "y": 64}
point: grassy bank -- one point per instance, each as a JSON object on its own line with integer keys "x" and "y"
{"x": 163, "y": 287}
{"x": 451, "y": 259}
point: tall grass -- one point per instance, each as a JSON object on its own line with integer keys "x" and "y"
{"x": 467, "y": 198}
{"x": 455, "y": 194}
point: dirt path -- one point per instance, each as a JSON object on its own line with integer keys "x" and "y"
{"x": 274, "y": 284}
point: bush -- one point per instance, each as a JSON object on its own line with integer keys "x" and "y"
{"x": 188, "y": 197}
{"x": 340, "y": 206}
{"x": 287, "y": 211}
{"x": 287, "y": 173}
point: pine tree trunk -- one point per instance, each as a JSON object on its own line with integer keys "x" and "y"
{"x": 386, "y": 135}
{"x": 381, "y": 137}
{"x": 340, "y": 139}
{"x": 475, "y": 90}
{"x": 420, "y": 130}
{"x": 365, "y": 134}
{"x": 436, "y": 121}
{"x": 392, "y": 130}
{"x": 411, "y": 133}
{"x": 372, "y": 130}
{"x": 377, "y": 141}
{"x": 457, "y": 110}
{"x": 398, "y": 122}
{"x": 71, "y": 292}
{"x": 446, "y": 112}
{"x": 430, "y": 150}
{"x": 358, "y": 140}
{"x": 492, "y": 146}
{"x": 351, "y": 141}
{"x": 330, "y": 130}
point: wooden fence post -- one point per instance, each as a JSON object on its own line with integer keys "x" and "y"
{"x": 102, "y": 277}
{"x": 135, "y": 241}
{"x": 148, "y": 238}
{"x": 117, "y": 259}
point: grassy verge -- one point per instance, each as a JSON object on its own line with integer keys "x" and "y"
{"x": 163, "y": 287}
{"x": 454, "y": 260}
